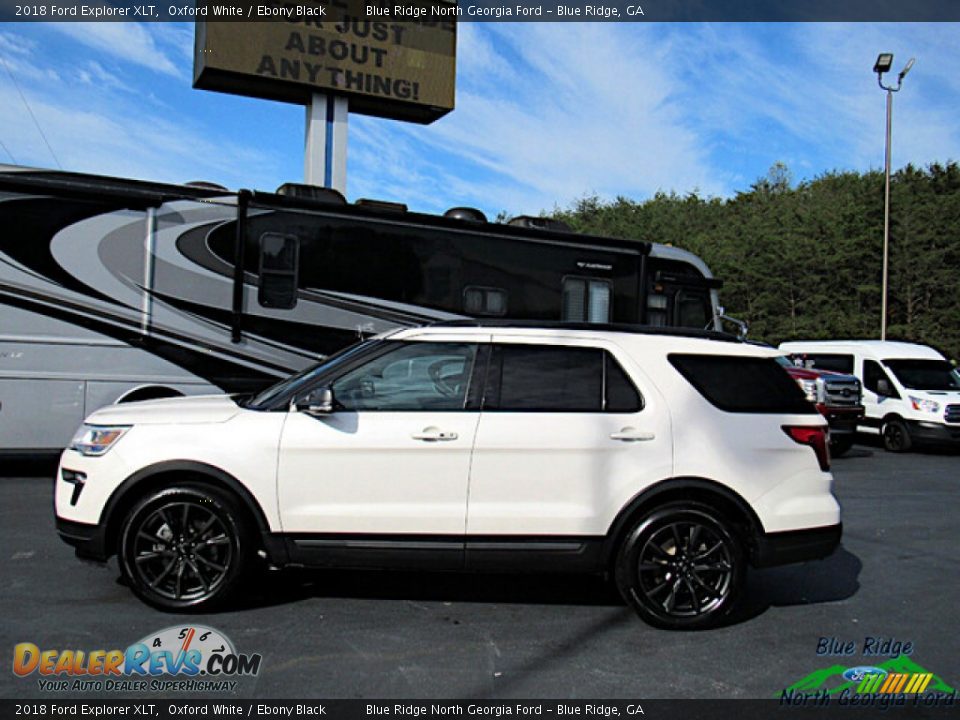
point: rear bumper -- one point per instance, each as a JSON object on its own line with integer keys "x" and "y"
{"x": 782, "y": 548}
{"x": 842, "y": 421}
{"x": 87, "y": 540}
{"x": 933, "y": 433}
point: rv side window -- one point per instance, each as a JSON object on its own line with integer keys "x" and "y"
{"x": 484, "y": 301}
{"x": 827, "y": 361}
{"x": 657, "y": 310}
{"x": 693, "y": 309}
{"x": 586, "y": 300}
{"x": 279, "y": 262}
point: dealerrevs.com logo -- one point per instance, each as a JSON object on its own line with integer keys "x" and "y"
{"x": 178, "y": 658}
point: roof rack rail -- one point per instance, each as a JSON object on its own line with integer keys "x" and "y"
{"x": 635, "y": 328}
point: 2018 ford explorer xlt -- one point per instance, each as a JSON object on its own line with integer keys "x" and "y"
{"x": 670, "y": 461}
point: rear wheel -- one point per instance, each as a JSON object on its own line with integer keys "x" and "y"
{"x": 840, "y": 445}
{"x": 896, "y": 436}
{"x": 185, "y": 547}
{"x": 681, "y": 567}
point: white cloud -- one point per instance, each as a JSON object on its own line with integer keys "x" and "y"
{"x": 11, "y": 44}
{"x": 548, "y": 112}
{"x": 102, "y": 126}
{"x": 130, "y": 42}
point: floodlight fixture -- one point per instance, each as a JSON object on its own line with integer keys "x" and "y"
{"x": 884, "y": 63}
{"x": 906, "y": 69}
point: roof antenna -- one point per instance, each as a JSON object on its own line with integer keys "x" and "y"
{"x": 27, "y": 105}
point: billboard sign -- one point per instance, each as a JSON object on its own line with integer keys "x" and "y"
{"x": 404, "y": 70}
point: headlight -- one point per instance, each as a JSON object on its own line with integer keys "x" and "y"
{"x": 96, "y": 439}
{"x": 809, "y": 388}
{"x": 924, "y": 405}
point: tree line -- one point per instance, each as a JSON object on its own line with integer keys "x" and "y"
{"x": 804, "y": 261}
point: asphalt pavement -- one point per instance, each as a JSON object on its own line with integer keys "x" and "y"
{"x": 415, "y": 635}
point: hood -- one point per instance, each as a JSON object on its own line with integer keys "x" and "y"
{"x": 799, "y": 373}
{"x": 940, "y": 396}
{"x": 183, "y": 410}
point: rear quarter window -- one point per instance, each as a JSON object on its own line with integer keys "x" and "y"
{"x": 740, "y": 384}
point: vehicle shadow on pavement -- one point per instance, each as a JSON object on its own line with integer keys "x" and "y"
{"x": 829, "y": 580}
{"x": 287, "y": 586}
{"x": 857, "y": 451}
{"x": 871, "y": 444}
{"x": 820, "y": 581}
{"x": 39, "y": 467}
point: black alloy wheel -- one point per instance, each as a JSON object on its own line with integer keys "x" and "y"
{"x": 681, "y": 567}
{"x": 896, "y": 436}
{"x": 184, "y": 548}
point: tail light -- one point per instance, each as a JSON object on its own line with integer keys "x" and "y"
{"x": 817, "y": 437}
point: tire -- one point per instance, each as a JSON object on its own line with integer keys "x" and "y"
{"x": 658, "y": 575}
{"x": 839, "y": 446}
{"x": 186, "y": 548}
{"x": 896, "y": 436}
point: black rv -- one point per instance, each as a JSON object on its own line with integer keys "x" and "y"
{"x": 118, "y": 290}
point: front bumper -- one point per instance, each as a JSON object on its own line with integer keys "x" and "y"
{"x": 88, "y": 540}
{"x": 792, "y": 546}
{"x": 934, "y": 433}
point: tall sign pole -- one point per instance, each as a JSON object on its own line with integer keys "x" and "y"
{"x": 325, "y": 142}
{"x": 886, "y": 217}
{"x": 331, "y": 57}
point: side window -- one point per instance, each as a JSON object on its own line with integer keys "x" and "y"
{"x": 656, "y": 310}
{"x": 692, "y": 309}
{"x": 484, "y": 300}
{"x": 279, "y": 263}
{"x": 415, "y": 376}
{"x": 827, "y": 361}
{"x": 620, "y": 396}
{"x": 873, "y": 374}
{"x": 743, "y": 384}
{"x": 586, "y": 300}
{"x": 534, "y": 378}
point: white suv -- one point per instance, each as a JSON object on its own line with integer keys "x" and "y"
{"x": 670, "y": 460}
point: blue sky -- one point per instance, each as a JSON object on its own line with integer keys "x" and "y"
{"x": 546, "y": 113}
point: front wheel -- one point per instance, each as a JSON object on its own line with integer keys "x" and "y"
{"x": 896, "y": 436}
{"x": 185, "y": 548}
{"x": 682, "y": 567}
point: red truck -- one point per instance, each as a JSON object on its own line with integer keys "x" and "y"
{"x": 837, "y": 396}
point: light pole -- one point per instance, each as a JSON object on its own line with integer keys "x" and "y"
{"x": 883, "y": 64}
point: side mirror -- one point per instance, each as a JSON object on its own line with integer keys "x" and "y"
{"x": 317, "y": 402}
{"x": 883, "y": 387}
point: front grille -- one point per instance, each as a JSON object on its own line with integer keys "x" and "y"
{"x": 842, "y": 392}
{"x": 952, "y": 414}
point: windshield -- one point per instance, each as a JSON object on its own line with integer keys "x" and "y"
{"x": 925, "y": 374}
{"x": 292, "y": 384}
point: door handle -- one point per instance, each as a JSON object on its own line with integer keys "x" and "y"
{"x": 432, "y": 434}
{"x": 629, "y": 434}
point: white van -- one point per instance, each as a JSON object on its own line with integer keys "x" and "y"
{"x": 911, "y": 394}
